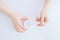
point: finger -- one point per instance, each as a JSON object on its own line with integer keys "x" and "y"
{"x": 38, "y": 19}
{"x": 24, "y": 18}
{"x": 40, "y": 24}
{"x": 17, "y": 28}
{"x": 45, "y": 19}
{"x": 22, "y": 26}
{"x": 41, "y": 21}
{"x": 20, "y": 29}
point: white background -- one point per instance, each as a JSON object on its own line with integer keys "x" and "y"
{"x": 32, "y": 7}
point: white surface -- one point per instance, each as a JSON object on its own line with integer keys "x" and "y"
{"x": 49, "y": 32}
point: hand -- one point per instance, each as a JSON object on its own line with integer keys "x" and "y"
{"x": 43, "y": 19}
{"x": 18, "y": 22}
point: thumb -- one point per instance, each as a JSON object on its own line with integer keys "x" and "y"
{"x": 24, "y": 18}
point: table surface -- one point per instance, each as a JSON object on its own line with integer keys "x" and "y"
{"x": 31, "y": 7}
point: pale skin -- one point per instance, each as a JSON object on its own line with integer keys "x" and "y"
{"x": 43, "y": 19}
{"x": 16, "y": 19}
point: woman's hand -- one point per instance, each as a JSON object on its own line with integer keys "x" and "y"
{"x": 18, "y": 21}
{"x": 43, "y": 19}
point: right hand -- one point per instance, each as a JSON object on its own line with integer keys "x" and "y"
{"x": 17, "y": 21}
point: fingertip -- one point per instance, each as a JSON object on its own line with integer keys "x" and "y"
{"x": 40, "y": 25}
{"x": 37, "y": 19}
{"x": 45, "y": 20}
